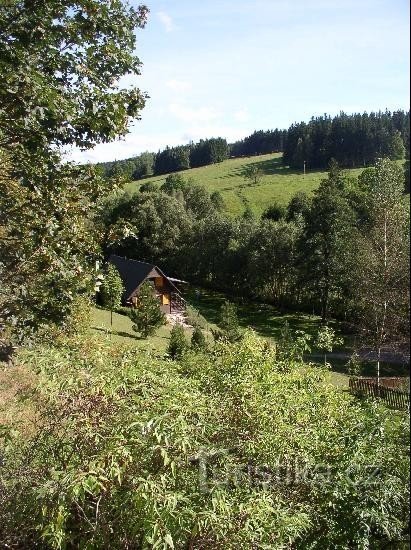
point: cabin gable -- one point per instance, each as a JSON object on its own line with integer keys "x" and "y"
{"x": 135, "y": 273}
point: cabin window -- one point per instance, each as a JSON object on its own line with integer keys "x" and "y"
{"x": 166, "y": 299}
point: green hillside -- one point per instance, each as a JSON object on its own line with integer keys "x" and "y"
{"x": 279, "y": 183}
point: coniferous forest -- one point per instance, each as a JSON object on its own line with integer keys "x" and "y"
{"x": 352, "y": 140}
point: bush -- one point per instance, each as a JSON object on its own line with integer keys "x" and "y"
{"x": 354, "y": 365}
{"x": 194, "y": 318}
{"x": 178, "y": 343}
{"x": 128, "y": 452}
{"x": 229, "y": 323}
{"x": 292, "y": 345}
{"x": 275, "y": 212}
{"x": 198, "y": 341}
{"x": 148, "y": 187}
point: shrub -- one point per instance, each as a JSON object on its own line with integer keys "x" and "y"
{"x": 228, "y": 322}
{"x": 198, "y": 341}
{"x": 178, "y": 343}
{"x": 354, "y": 365}
{"x": 146, "y": 314}
{"x": 292, "y": 345}
{"x": 194, "y": 317}
{"x": 131, "y": 453}
{"x": 217, "y": 200}
{"x": 275, "y": 212}
{"x": 148, "y": 187}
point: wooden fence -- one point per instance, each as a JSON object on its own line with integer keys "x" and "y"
{"x": 397, "y": 382}
{"x": 395, "y": 398}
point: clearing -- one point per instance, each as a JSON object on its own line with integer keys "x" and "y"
{"x": 278, "y": 183}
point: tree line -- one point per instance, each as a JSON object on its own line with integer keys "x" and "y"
{"x": 352, "y": 140}
{"x": 170, "y": 159}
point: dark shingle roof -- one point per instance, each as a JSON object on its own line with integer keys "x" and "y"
{"x": 133, "y": 273}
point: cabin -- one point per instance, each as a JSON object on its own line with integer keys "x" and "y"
{"x": 134, "y": 273}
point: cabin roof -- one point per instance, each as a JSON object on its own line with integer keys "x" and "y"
{"x": 134, "y": 273}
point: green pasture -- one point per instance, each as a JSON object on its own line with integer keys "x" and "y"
{"x": 278, "y": 183}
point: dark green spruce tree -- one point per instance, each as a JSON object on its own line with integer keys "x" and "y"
{"x": 178, "y": 343}
{"x": 198, "y": 341}
{"x": 146, "y": 315}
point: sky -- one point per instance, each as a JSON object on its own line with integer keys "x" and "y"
{"x": 224, "y": 68}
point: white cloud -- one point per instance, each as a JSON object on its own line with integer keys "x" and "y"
{"x": 192, "y": 115}
{"x": 166, "y": 20}
{"x": 195, "y": 133}
{"x": 130, "y": 146}
{"x": 179, "y": 85}
{"x": 241, "y": 115}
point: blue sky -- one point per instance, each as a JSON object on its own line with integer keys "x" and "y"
{"x": 229, "y": 67}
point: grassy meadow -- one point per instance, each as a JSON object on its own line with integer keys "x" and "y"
{"x": 122, "y": 332}
{"x": 278, "y": 183}
{"x": 266, "y": 320}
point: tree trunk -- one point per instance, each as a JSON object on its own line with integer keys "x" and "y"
{"x": 324, "y": 305}
{"x": 378, "y": 366}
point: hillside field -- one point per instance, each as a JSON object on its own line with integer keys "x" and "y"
{"x": 278, "y": 183}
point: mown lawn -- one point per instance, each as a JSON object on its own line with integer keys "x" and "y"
{"x": 122, "y": 331}
{"x": 265, "y": 319}
{"x": 268, "y": 322}
{"x": 278, "y": 183}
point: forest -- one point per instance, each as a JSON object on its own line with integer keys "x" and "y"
{"x": 229, "y": 440}
{"x": 356, "y": 140}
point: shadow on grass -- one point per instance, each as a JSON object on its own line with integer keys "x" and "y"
{"x": 268, "y": 321}
{"x": 265, "y": 319}
{"x": 119, "y": 333}
{"x": 275, "y": 167}
{"x": 368, "y": 368}
{"x": 269, "y": 167}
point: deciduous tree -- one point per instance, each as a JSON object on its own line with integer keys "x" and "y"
{"x": 253, "y": 174}
{"x": 326, "y": 340}
{"x": 383, "y": 278}
{"x": 60, "y": 66}
{"x": 112, "y": 290}
{"x": 327, "y": 243}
